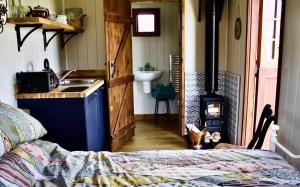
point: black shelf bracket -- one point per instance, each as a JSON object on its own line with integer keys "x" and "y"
{"x": 19, "y": 39}
{"x": 47, "y": 42}
{"x": 70, "y": 36}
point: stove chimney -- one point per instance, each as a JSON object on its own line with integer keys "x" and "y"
{"x": 213, "y": 12}
{"x": 211, "y": 104}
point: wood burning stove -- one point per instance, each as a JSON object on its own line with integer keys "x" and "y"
{"x": 212, "y": 104}
{"x": 212, "y": 113}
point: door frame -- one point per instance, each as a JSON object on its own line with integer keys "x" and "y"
{"x": 280, "y": 61}
{"x": 253, "y": 53}
{"x": 181, "y": 124}
{"x": 181, "y": 98}
{"x": 254, "y": 16}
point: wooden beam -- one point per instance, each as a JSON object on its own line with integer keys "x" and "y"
{"x": 254, "y": 9}
{"x": 120, "y": 81}
{"x": 181, "y": 128}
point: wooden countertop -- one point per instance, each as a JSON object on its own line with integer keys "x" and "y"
{"x": 56, "y": 93}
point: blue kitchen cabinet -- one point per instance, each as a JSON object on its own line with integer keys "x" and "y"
{"x": 77, "y": 124}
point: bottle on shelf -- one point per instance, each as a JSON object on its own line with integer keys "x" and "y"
{"x": 12, "y": 9}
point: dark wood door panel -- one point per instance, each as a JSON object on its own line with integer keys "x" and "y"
{"x": 119, "y": 49}
{"x": 114, "y": 35}
{"x": 121, "y": 107}
{"x": 119, "y": 71}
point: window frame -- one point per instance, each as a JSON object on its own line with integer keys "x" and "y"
{"x": 146, "y": 11}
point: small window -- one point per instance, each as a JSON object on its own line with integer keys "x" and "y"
{"x": 146, "y": 21}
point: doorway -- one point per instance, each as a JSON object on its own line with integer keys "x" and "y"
{"x": 262, "y": 70}
{"x": 153, "y": 46}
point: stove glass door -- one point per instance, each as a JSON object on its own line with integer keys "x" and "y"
{"x": 214, "y": 110}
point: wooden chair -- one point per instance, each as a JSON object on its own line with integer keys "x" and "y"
{"x": 257, "y": 141}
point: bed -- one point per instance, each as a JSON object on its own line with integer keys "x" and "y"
{"x": 42, "y": 163}
{"x": 28, "y": 161}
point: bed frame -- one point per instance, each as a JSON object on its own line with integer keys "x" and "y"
{"x": 274, "y": 143}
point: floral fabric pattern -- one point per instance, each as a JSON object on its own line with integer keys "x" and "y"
{"x": 47, "y": 164}
{"x": 16, "y": 127}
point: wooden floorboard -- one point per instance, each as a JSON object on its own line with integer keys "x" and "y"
{"x": 151, "y": 136}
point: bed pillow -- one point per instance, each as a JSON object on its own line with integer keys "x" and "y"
{"x": 16, "y": 127}
{"x": 5, "y": 144}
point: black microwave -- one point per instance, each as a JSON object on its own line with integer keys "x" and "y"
{"x": 33, "y": 82}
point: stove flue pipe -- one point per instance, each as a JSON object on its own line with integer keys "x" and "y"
{"x": 213, "y": 12}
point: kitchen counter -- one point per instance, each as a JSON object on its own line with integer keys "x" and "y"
{"x": 56, "y": 93}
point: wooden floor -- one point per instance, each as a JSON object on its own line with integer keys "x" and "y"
{"x": 151, "y": 136}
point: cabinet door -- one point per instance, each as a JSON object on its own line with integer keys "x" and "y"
{"x": 64, "y": 119}
{"x": 94, "y": 132}
{"x": 103, "y": 115}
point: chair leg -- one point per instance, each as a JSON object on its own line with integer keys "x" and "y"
{"x": 156, "y": 111}
{"x": 168, "y": 109}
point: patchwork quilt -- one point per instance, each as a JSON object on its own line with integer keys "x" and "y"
{"x": 42, "y": 163}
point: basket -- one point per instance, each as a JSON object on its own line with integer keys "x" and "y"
{"x": 76, "y": 22}
{"x": 196, "y": 138}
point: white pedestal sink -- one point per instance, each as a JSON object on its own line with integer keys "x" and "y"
{"x": 147, "y": 77}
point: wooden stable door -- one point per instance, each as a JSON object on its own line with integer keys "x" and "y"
{"x": 119, "y": 71}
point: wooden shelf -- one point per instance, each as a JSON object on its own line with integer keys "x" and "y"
{"x": 47, "y": 26}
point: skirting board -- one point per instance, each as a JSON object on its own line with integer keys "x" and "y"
{"x": 138, "y": 117}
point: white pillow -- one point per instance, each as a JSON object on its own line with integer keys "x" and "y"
{"x": 5, "y": 145}
{"x": 2, "y": 149}
{"x": 17, "y": 127}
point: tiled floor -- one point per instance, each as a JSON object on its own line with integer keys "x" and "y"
{"x": 151, "y": 136}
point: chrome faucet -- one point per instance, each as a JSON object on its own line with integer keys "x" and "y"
{"x": 68, "y": 73}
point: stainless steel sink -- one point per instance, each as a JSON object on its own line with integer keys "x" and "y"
{"x": 75, "y": 89}
{"x": 68, "y": 82}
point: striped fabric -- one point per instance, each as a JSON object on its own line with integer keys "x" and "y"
{"x": 13, "y": 172}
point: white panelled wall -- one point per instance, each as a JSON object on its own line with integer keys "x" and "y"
{"x": 52, "y": 5}
{"x": 156, "y": 51}
{"x": 236, "y": 49}
{"x": 87, "y": 51}
{"x": 289, "y": 106}
{"x": 194, "y": 32}
{"x": 32, "y": 55}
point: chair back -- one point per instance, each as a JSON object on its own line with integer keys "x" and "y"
{"x": 263, "y": 123}
{"x": 164, "y": 92}
{"x": 261, "y": 139}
